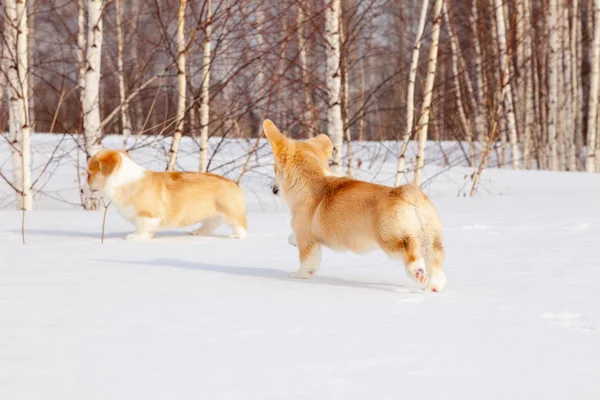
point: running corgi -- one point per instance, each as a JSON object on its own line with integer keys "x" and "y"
{"x": 154, "y": 201}
{"x": 347, "y": 214}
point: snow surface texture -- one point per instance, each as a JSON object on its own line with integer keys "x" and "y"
{"x": 183, "y": 317}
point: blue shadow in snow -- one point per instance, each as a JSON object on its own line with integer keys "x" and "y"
{"x": 267, "y": 273}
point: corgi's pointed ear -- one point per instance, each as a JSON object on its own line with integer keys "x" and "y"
{"x": 109, "y": 162}
{"x": 275, "y": 137}
{"x": 94, "y": 165}
{"x": 324, "y": 143}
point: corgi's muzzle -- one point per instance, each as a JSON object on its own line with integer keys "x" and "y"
{"x": 275, "y": 189}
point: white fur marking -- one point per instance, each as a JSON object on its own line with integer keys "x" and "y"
{"x": 311, "y": 265}
{"x": 417, "y": 271}
{"x": 129, "y": 213}
{"x": 127, "y": 172}
{"x": 239, "y": 232}
{"x": 436, "y": 281}
{"x": 145, "y": 228}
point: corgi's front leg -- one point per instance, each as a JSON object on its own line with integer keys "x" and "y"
{"x": 310, "y": 260}
{"x": 145, "y": 228}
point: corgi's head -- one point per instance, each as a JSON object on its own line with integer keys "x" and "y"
{"x": 311, "y": 155}
{"x": 109, "y": 169}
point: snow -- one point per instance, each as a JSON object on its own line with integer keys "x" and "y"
{"x": 183, "y": 317}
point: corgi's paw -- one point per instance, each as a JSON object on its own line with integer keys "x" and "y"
{"x": 238, "y": 233}
{"x": 417, "y": 271}
{"x": 436, "y": 282}
{"x": 292, "y": 239}
{"x": 303, "y": 274}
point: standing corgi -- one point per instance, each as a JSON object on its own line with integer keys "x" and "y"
{"x": 347, "y": 214}
{"x": 154, "y": 201}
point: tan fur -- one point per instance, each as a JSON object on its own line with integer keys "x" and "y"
{"x": 167, "y": 199}
{"x": 347, "y": 214}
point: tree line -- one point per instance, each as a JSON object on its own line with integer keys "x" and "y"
{"x": 516, "y": 79}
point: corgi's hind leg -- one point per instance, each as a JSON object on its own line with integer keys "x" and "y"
{"x": 238, "y": 224}
{"x": 310, "y": 261}
{"x": 408, "y": 250}
{"x": 434, "y": 260}
{"x": 208, "y": 227}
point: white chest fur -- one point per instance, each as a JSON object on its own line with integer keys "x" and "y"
{"x": 128, "y": 172}
{"x": 128, "y": 212}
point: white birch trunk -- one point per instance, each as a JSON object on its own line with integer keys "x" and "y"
{"x": 81, "y": 49}
{"x": 511, "y": 123}
{"x": 18, "y": 77}
{"x": 410, "y": 94}
{"x": 454, "y": 46}
{"x": 181, "y": 87}
{"x": 580, "y": 106}
{"x": 570, "y": 92}
{"x": 260, "y": 77}
{"x": 480, "y": 121}
{"x": 23, "y": 72}
{"x": 31, "y": 49}
{"x": 526, "y": 84}
{"x": 346, "y": 99}
{"x": 125, "y": 126}
{"x": 307, "y": 119}
{"x": 335, "y": 124}
{"x": 14, "y": 103}
{"x": 363, "y": 106}
{"x": 593, "y": 96}
{"x": 204, "y": 105}
{"x": 423, "y": 123}
{"x": 553, "y": 67}
{"x": 92, "y": 132}
{"x": 3, "y": 67}
{"x": 138, "y": 117}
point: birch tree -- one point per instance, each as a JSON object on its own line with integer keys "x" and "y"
{"x": 524, "y": 54}
{"x": 334, "y": 83}
{"x": 410, "y": 94}
{"x": 260, "y": 78}
{"x": 81, "y": 49}
{"x": 454, "y": 46}
{"x": 345, "y": 99}
{"x": 579, "y": 105}
{"x": 593, "y": 96}
{"x": 181, "y": 86}
{"x": 92, "y": 131}
{"x": 569, "y": 93}
{"x": 16, "y": 36}
{"x": 423, "y": 123}
{"x": 10, "y": 66}
{"x": 508, "y": 98}
{"x": 204, "y": 106}
{"x": 307, "y": 117}
{"x": 553, "y": 66}
{"x": 125, "y": 126}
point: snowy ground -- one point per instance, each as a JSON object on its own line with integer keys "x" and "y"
{"x": 183, "y": 317}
